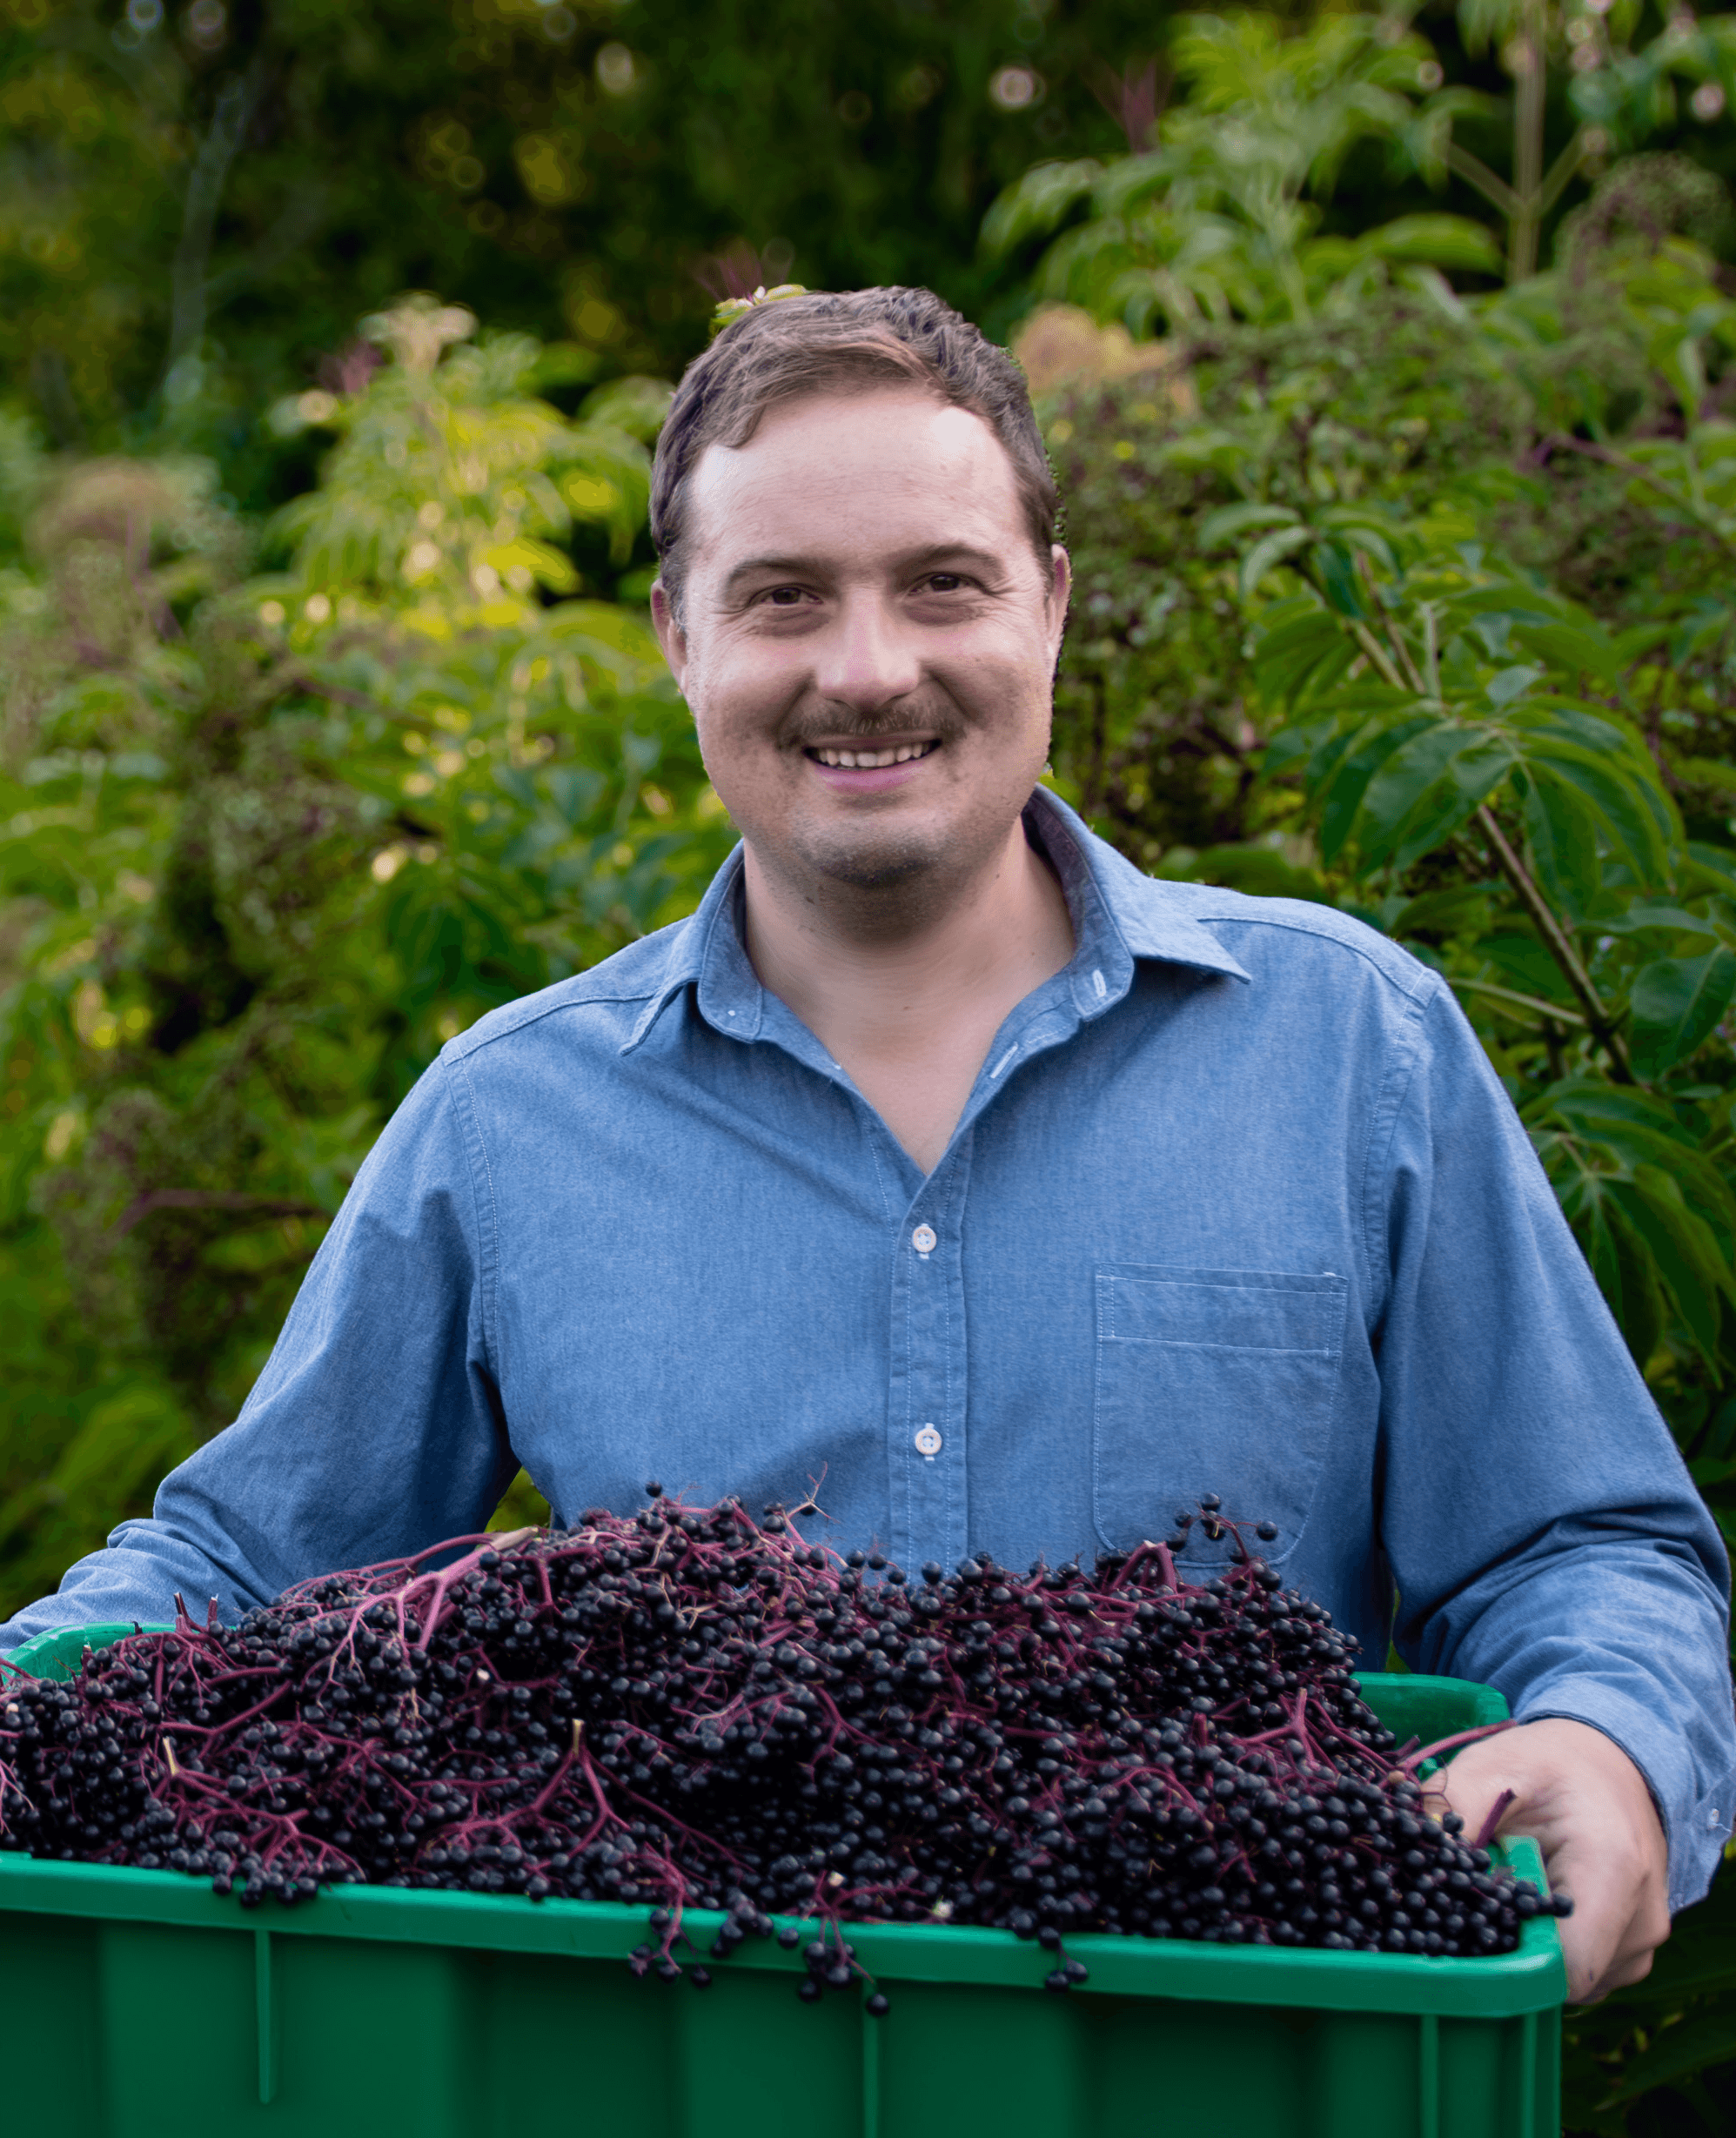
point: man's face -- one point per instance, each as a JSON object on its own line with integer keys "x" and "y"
{"x": 868, "y": 642}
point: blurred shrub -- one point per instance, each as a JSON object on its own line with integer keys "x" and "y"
{"x": 267, "y": 842}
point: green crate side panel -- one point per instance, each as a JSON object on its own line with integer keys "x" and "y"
{"x": 159, "y": 2031}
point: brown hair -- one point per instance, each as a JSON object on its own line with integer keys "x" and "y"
{"x": 785, "y": 350}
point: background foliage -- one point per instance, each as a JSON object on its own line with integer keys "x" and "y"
{"x": 329, "y": 714}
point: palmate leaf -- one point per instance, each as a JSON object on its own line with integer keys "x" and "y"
{"x": 1301, "y": 651}
{"x": 1674, "y": 1005}
{"x": 1612, "y": 770}
{"x": 1364, "y": 753}
{"x": 1400, "y": 776}
{"x": 1637, "y": 1129}
{"x": 1649, "y": 1208}
{"x": 1425, "y": 790}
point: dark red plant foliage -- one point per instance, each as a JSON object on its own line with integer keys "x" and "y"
{"x": 687, "y": 1708}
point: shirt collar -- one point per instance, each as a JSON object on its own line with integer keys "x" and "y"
{"x": 1118, "y": 916}
{"x": 1148, "y": 916}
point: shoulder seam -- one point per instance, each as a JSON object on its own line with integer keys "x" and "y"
{"x": 457, "y": 1050}
{"x": 1383, "y": 1128}
{"x": 476, "y": 1156}
{"x": 1421, "y": 989}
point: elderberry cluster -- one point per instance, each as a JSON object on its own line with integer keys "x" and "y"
{"x": 687, "y": 1708}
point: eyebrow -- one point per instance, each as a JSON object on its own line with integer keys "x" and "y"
{"x": 931, "y": 559}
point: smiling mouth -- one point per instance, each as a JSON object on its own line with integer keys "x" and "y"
{"x": 872, "y": 761}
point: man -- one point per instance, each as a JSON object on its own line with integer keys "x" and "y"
{"x": 946, "y": 1168}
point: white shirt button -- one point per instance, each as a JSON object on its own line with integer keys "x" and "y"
{"x": 928, "y": 1441}
{"x": 923, "y": 1239}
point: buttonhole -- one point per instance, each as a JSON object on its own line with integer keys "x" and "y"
{"x": 1100, "y": 984}
{"x": 1002, "y": 1062}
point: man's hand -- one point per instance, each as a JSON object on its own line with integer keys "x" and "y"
{"x": 1588, "y": 1807}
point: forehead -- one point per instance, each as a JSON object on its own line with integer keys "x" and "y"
{"x": 839, "y": 474}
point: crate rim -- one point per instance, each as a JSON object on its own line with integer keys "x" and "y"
{"x": 1531, "y": 1979}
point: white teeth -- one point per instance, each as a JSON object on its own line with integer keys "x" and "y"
{"x": 874, "y": 760}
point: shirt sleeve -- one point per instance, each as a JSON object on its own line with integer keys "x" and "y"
{"x": 1543, "y": 1531}
{"x": 375, "y": 1428}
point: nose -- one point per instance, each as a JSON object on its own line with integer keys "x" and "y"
{"x": 866, "y": 659}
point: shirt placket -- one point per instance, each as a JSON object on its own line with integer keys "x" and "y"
{"x": 927, "y": 1426}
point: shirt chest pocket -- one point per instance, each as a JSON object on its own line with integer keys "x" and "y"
{"x": 1221, "y": 1381}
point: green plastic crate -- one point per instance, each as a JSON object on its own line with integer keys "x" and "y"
{"x": 135, "y": 2004}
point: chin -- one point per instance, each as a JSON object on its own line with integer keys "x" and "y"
{"x": 876, "y": 864}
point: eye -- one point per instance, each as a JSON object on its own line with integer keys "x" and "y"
{"x": 782, "y": 597}
{"x": 945, "y": 582}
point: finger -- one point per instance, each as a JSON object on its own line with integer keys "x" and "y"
{"x": 1634, "y": 1968}
{"x": 1473, "y": 1788}
{"x": 1601, "y": 1937}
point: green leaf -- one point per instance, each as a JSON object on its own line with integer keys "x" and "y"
{"x": 1675, "y": 1003}
{"x": 1425, "y": 790}
{"x": 1339, "y": 582}
{"x": 1271, "y": 550}
{"x": 1562, "y": 829}
{"x": 1581, "y": 648}
{"x": 1508, "y": 684}
{"x": 1460, "y": 909}
{"x": 1233, "y": 520}
{"x": 1634, "y": 814}
{"x": 1360, "y": 757}
{"x": 1036, "y": 204}
{"x": 1436, "y": 241}
{"x": 1303, "y": 650}
{"x": 1713, "y": 867}
{"x": 1690, "y": 2047}
{"x": 1636, "y": 1300}
{"x": 1685, "y": 1255}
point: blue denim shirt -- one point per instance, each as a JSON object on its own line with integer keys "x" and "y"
{"x": 1236, "y": 1205}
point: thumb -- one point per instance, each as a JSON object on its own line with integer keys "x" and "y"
{"x": 1482, "y": 1791}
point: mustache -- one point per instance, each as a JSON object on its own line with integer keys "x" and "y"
{"x": 802, "y": 730}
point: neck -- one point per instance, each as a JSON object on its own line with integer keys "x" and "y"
{"x": 910, "y": 1004}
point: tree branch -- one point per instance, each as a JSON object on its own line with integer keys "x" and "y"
{"x": 1559, "y": 944}
{"x": 1475, "y": 172}
{"x": 235, "y": 102}
{"x": 1640, "y": 472}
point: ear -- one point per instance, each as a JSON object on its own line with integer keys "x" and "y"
{"x": 670, "y": 636}
{"x": 1060, "y": 587}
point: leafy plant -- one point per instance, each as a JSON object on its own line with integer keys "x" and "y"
{"x": 267, "y": 841}
{"x": 1220, "y": 215}
{"x": 1210, "y": 222}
